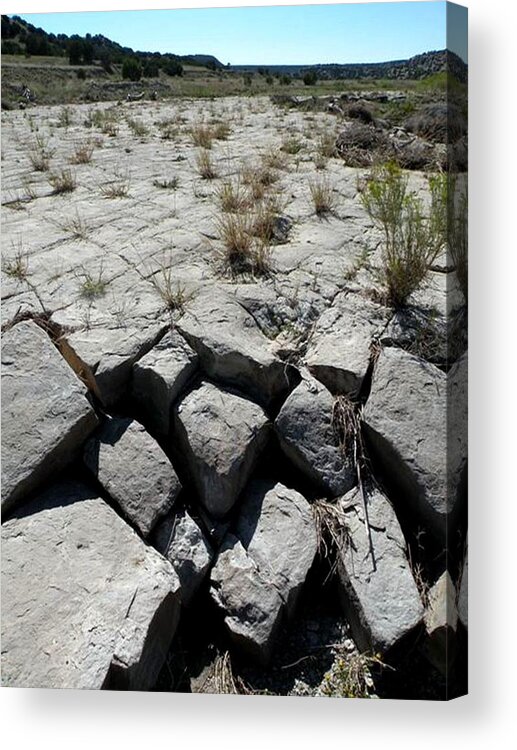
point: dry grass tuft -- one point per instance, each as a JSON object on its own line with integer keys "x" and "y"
{"x": 40, "y": 154}
{"x": 118, "y": 187}
{"x": 322, "y": 196}
{"x": 83, "y": 153}
{"x": 205, "y": 165}
{"x": 63, "y": 182}
{"x": 232, "y": 197}
{"x": 202, "y": 136}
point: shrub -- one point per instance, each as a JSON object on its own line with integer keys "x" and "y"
{"x": 173, "y": 68}
{"x": 412, "y": 241}
{"x": 131, "y": 69}
{"x": 310, "y": 78}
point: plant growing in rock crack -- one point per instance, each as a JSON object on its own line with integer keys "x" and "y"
{"x": 350, "y": 676}
{"x": 83, "y": 153}
{"x": 63, "y": 182}
{"x": 17, "y": 267}
{"x": 205, "y": 165}
{"x": 40, "y": 154}
{"x": 232, "y": 197}
{"x": 118, "y": 187}
{"x": 412, "y": 240}
{"x": 167, "y": 184}
{"x": 242, "y": 253}
{"x": 173, "y": 295}
{"x": 92, "y": 286}
{"x": 322, "y": 196}
{"x": 75, "y": 225}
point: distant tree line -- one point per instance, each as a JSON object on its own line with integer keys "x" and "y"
{"x": 22, "y": 38}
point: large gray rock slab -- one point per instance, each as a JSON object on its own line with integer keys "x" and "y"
{"x": 45, "y": 413}
{"x": 231, "y": 346}
{"x": 181, "y": 541}
{"x": 261, "y": 569}
{"x": 309, "y": 439}
{"x": 406, "y": 423}
{"x": 110, "y": 353}
{"x": 134, "y": 471}
{"x": 160, "y": 377}
{"x": 379, "y": 592}
{"x": 220, "y": 436}
{"x": 85, "y": 603}
{"x": 339, "y": 353}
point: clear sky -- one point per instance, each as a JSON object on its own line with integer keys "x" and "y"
{"x": 372, "y": 32}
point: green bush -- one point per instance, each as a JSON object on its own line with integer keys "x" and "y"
{"x": 310, "y": 78}
{"x": 412, "y": 240}
{"x": 173, "y": 68}
{"x": 131, "y": 69}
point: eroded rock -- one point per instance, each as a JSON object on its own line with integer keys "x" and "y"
{"x": 309, "y": 439}
{"x": 406, "y": 423}
{"x": 379, "y": 592}
{"x": 160, "y": 377}
{"x": 339, "y": 353}
{"x": 262, "y": 567}
{"x": 220, "y": 435}
{"x": 182, "y": 542}
{"x": 85, "y": 603}
{"x": 45, "y": 413}
{"x": 231, "y": 346}
{"x": 134, "y": 471}
{"x": 441, "y": 621}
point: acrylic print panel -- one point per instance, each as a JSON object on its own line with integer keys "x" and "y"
{"x": 234, "y": 350}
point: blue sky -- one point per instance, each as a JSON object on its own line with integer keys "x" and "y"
{"x": 372, "y": 32}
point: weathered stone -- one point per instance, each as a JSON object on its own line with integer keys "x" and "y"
{"x": 220, "y": 436}
{"x": 261, "y": 568}
{"x": 308, "y": 438}
{"x": 110, "y": 353}
{"x": 252, "y": 606}
{"x": 85, "y": 603}
{"x": 134, "y": 471}
{"x": 231, "y": 346}
{"x": 406, "y": 423}
{"x": 339, "y": 354}
{"x": 182, "y": 542}
{"x": 441, "y": 621}
{"x": 419, "y": 333}
{"x": 45, "y": 413}
{"x": 160, "y": 377}
{"x": 463, "y": 595}
{"x": 379, "y": 592}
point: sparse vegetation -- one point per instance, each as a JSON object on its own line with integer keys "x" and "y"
{"x": 167, "y": 184}
{"x": 63, "y": 182}
{"x": 202, "y": 136}
{"x": 292, "y": 145}
{"x": 118, "y": 187}
{"x": 205, "y": 165}
{"x": 137, "y": 127}
{"x": 17, "y": 267}
{"x": 242, "y": 252}
{"x": 322, "y": 196}
{"x": 83, "y": 153}
{"x": 412, "y": 240}
{"x": 91, "y": 286}
{"x": 40, "y": 154}
{"x": 232, "y": 197}
{"x": 350, "y": 676}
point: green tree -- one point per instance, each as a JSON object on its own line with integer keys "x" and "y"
{"x": 131, "y": 69}
{"x": 310, "y": 78}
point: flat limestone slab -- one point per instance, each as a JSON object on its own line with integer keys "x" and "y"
{"x": 45, "y": 413}
{"x": 85, "y": 603}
